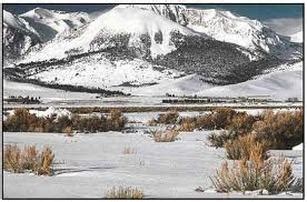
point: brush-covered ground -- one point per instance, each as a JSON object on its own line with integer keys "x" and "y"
{"x": 88, "y": 165}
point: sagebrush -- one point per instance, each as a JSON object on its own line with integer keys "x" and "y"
{"x": 23, "y": 121}
{"x": 124, "y": 193}
{"x": 28, "y": 159}
{"x": 165, "y": 136}
{"x": 242, "y": 175}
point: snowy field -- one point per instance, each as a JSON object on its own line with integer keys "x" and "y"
{"x": 61, "y": 98}
{"x": 87, "y": 165}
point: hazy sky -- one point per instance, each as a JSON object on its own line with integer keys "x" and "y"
{"x": 255, "y": 11}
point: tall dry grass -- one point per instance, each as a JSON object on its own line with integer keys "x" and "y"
{"x": 28, "y": 159}
{"x": 254, "y": 175}
{"x": 245, "y": 147}
{"x": 23, "y": 121}
{"x": 281, "y": 130}
{"x": 165, "y": 136}
{"x": 170, "y": 117}
{"x": 124, "y": 193}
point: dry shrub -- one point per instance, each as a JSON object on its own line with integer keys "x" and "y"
{"x": 170, "y": 117}
{"x": 241, "y": 123}
{"x": 124, "y": 193}
{"x": 188, "y": 124}
{"x": 220, "y": 138}
{"x": 219, "y": 119}
{"x": 23, "y": 121}
{"x": 29, "y": 157}
{"x": 222, "y": 117}
{"x": 274, "y": 177}
{"x": 281, "y": 130}
{"x": 68, "y": 131}
{"x": 129, "y": 150}
{"x": 18, "y": 161}
{"x": 12, "y": 159}
{"x": 90, "y": 124}
{"x": 165, "y": 136}
{"x": 45, "y": 161}
{"x": 116, "y": 120}
{"x": 246, "y": 148}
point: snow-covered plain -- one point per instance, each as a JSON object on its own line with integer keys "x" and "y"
{"x": 90, "y": 164}
{"x": 12, "y": 88}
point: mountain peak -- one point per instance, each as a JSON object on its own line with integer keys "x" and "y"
{"x": 169, "y": 11}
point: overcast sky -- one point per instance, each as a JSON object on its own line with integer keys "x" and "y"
{"x": 261, "y": 12}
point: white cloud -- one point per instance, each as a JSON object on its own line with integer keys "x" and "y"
{"x": 285, "y": 26}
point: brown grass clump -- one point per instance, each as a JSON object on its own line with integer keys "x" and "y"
{"x": 68, "y": 131}
{"x": 188, "y": 124}
{"x": 129, "y": 150}
{"x": 18, "y": 161}
{"x": 90, "y": 124}
{"x": 241, "y": 123}
{"x": 124, "y": 193}
{"x": 223, "y": 118}
{"x": 220, "y": 138}
{"x": 116, "y": 120}
{"x": 12, "y": 159}
{"x": 250, "y": 176}
{"x": 45, "y": 161}
{"x": 170, "y": 117}
{"x": 165, "y": 136}
{"x": 245, "y": 148}
{"x": 22, "y": 121}
{"x": 281, "y": 130}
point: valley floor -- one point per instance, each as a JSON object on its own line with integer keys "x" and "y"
{"x": 87, "y": 165}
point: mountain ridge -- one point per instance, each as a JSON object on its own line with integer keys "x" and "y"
{"x": 148, "y": 45}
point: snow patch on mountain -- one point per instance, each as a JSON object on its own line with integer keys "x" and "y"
{"x": 297, "y": 37}
{"x": 50, "y": 23}
{"x": 172, "y": 12}
{"x": 100, "y": 72}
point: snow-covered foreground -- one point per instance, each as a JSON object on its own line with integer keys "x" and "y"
{"x": 87, "y": 165}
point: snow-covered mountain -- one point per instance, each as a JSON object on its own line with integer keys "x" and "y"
{"x": 226, "y": 26}
{"x": 50, "y": 23}
{"x": 113, "y": 28}
{"x": 31, "y": 29}
{"x": 18, "y": 36}
{"x": 297, "y": 37}
{"x": 145, "y": 45}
